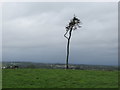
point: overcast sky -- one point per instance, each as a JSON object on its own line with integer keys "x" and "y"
{"x": 0, "y": 32}
{"x": 34, "y": 32}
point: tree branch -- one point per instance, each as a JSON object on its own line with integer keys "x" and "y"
{"x": 65, "y": 35}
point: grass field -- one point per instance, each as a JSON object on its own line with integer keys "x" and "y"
{"x": 59, "y": 78}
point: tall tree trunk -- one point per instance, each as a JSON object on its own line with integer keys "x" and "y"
{"x": 68, "y": 44}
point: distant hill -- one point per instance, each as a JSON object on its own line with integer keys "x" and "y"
{"x": 59, "y": 66}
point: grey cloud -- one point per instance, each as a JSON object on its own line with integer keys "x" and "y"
{"x": 0, "y": 32}
{"x": 34, "y": 32}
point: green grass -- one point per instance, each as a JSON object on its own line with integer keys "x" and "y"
{"x": 59, "y": 78}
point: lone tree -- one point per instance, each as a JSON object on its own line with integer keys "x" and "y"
{"x": 73, "y": 24}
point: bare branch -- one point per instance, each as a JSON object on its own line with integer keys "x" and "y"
{"x": 65, "y": 34}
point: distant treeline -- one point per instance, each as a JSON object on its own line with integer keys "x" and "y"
{"x": 58, "y": 66}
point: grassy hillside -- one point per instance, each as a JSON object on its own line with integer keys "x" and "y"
{"x": 59, "y": 78}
